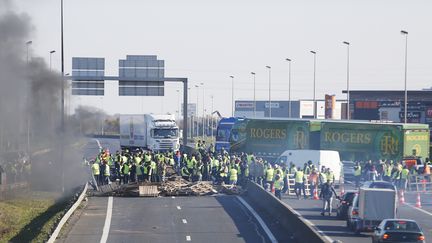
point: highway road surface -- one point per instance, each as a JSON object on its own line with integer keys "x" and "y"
{"x": 179, "y": 219}
{"x": 219, "y": 218}
{"x": 336, "y": 229}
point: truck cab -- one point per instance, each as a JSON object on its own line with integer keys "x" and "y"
{"x": 163, "y": 133}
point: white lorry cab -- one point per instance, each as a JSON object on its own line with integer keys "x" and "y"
{"x": 327, "y": 158}
{"x": 153, "y": 132}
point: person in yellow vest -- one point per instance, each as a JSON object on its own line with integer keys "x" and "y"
{"x": 96, "y": 172}
{"x": 387, "y": 171}
{"x": 233, "y": 175}
{"x": 330, "y": 175}
{"x": 357, "y": 174}
{"x": 125, "y": 173}
{"x": 269, "y": 176}
{"x": 404, "y": 178}
{"x": 299, "y": 183}
{"x": 223, "y": 172}
{"x": 279, "y": 185}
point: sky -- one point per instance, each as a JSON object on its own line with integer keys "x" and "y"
{"x": 207, "y": 41}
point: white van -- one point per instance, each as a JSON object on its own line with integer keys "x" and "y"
{"x": 328, "y": 158}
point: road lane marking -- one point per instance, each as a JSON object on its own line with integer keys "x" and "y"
{"x": 270, "y": 235}
{"x": 178, "y": 207}
{"x": 188, "y": 238}
{"x": 419, "y": 209}
{"x": 172, "y": 197}
{"x": 184, "y": 221}
{"x": 322, "y": 233}
{"x": 98, "y": 142}
{"x": 107, "y": 224}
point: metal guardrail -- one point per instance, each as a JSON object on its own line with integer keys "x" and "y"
{"x": 69, "y": 213}
{"x": 419, "y": 183}
{"x": 283, "y": 213}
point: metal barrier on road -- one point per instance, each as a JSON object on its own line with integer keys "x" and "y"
{"x": 419, "y": 183}
{"x": 285, "y": 215}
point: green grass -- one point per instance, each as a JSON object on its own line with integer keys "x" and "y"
{"x": 31, "y": 218}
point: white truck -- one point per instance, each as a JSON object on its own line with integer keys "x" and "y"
{"x": 328, "y": 158}
{"x": 149, "y": 131}
{"x": 373, "y": 206}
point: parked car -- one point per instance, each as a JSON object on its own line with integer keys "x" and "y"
{"x": 344, "y": 203}
{"x": 379, "y": 184}
{"x": 352, "y": 213}
{"x": 398, "y": 230}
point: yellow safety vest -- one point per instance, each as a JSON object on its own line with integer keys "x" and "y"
{"x": 299, "y": 177}
{"x": 279, "y": 184}
{"x": 404, "y": 174}
{"x": 357, "y": 172}
{"x": 96, "y": 169}
{"x": 269, "y": 176}
{"x": 233, "y": 175}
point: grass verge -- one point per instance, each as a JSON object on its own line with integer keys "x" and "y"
{"x": 31, "y": 218}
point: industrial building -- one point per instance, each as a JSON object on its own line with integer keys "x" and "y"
{"x": 388, "y": 105}
{"x": 299, "y": 109}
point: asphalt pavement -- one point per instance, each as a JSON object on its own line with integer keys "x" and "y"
{"x": 336, "y": 229}
{"x": 207, "y": 219}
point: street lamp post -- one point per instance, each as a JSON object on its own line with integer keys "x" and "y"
{"x": 197, "y": 119}
{"x": 28, "y": 43}
{"x": 403, "y": 32}
{"x": 232, "y": 95}
{"x": 179, "y": 103}
{"x": 51, "y": 52}
{"x": 314, "y": 85}
{"x": 203, "y": 106}
{"x": 289, "y": 87}
{"x": 348, "y": 90}
{"x": 211, "y": 116}
{"x": 254, "y": 93}
{"x": 270, "y": 106}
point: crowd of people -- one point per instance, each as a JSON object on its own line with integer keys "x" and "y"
{"x": 206, "y": 164}
{"x": 398, "y": 173}
{"x": 16, "y": 166}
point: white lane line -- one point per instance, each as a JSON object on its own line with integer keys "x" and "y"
{"x": 184, "y": 221}
{"x": 98, "y": 143}
{"x": 322, "y": 233}
{"x": 178, "y": 207}
{"x": 259, "y": 219}
{"x": 188, "y": 238}
{"x": 419, "y": 209}
{"x": 107, "y": 225}
{"x": 172, "y": 197}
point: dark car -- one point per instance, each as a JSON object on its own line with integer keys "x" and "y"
{"x": 398, "y": 230}
{"x": 379, "y": 184}
{"x": 344, "y": 203}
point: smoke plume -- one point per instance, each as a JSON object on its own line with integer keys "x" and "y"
{"x": 30, "y": 99}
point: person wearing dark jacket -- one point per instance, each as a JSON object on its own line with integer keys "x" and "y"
{"x": 326, "y": 194}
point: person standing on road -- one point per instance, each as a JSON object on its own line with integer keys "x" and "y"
{"x": 96, "y": 172}
{"x": 269, "y": 175}
{"x": 326, "y": 194}
{"x": 299, "y": 183}
{"x": 279, "y": 185}
{"x": 357, "y": 174}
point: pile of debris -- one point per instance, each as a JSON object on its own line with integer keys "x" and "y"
{"x": 173, "y": 186}
{"x": 177, "y": 186}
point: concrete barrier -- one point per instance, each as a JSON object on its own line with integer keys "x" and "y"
{"x": 286, "y": 216}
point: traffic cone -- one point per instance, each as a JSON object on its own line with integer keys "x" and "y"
{"x": 315, "y": 196}
{"x": 418, "y": 201}
{"x": 401, "y": 198}
{"x": 273, "y": 190}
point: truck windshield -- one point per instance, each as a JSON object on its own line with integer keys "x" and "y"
{"x": 223, "y": 134}
{"x": 164, "y": 133}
